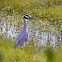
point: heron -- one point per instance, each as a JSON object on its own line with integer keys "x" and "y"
{"x": 23, "y": 35}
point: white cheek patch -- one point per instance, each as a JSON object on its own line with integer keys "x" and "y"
{"x": 26, "y": 16}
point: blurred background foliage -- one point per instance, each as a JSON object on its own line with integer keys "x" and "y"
{"x": 49, "y": 10}
{"x": 48, "y": 18}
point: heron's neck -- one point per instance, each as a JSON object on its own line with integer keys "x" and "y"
{"x": 25, "y": 24}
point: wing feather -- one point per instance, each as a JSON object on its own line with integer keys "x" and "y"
{"x": 22, "y": 37}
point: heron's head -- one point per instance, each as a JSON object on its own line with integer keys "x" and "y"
{"x": 27, "y": 17}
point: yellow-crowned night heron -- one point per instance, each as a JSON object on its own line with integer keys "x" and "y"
{"x": 23, "y": 35}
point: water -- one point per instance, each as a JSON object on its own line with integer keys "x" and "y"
{"x": 35, "y": 32}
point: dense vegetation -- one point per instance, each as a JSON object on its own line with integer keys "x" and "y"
{"x": 28, "y": 54}
{"x": 48, "y": 10}
{"x": 47, "y": 13}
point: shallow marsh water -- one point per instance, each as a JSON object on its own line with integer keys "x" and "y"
{"x": 10, "y": 27}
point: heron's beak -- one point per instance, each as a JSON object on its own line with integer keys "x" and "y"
{"x": 31, "y": 18}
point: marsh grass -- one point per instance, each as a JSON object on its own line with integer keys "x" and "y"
{"x": 47, "y": 13}
{"x": 29, "y": 54}
{"x": 48, "y": 10}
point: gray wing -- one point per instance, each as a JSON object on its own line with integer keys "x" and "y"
{"x": 22, "y": 37}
